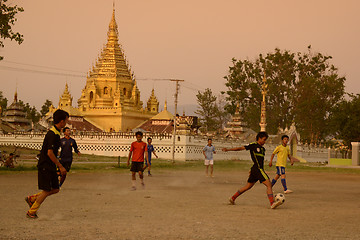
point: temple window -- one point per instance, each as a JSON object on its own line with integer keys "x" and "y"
{"x": 106, "y": 91}
{"x": 91, "y": 96}
{"x": 124, "y": 91}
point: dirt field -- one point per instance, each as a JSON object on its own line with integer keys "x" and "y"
{"x": 182, "y": 205}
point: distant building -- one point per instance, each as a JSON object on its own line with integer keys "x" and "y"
{"x": 110, "y": 100}
{"x": 14, "y": 118}
{"x": 163, "y": 123}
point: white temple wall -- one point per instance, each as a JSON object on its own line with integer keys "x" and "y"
{"x": 187, "y": 147}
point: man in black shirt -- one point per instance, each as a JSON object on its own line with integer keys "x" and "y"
{"x": 257, "y": 173}
{"x": 47, "y": 177}
{"x": 66, "y": 156}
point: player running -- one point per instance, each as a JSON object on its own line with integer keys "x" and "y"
{"x": 257, "y": 173}
{"x": 47, "y": 176}
{"x": 137, "y": 151}
{"x": 283, "y": 152}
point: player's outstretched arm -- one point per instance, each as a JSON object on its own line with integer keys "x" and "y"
{"x": 233, "y": 149}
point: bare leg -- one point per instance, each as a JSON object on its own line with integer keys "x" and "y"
{"x": 141, "y": 176}
{"x": 211, "y": 169}
{"x": 207, "y": 170}
{"x": 133, "y": 180}
{"x": 241, "y": 191}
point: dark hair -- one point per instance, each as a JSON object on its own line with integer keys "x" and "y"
{"x": 284, "y": 136}
{"x": 261, "y": 135}
{"x": 64, "y": 129}
{"x": 209, "y": 139}
{"x": 11, "y": 154}
{"x": 60, "y": 115}
{"x": 139, "y": 133}
{"x": 149, "y": 138}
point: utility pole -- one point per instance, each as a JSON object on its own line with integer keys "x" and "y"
{"x": 176, "y": 101}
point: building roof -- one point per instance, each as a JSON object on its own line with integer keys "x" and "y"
{"x": 163, "y": 115}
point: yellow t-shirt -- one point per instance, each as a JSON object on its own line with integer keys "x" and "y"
{"x": 282, "y": 155}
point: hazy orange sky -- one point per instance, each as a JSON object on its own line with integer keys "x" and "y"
{"x": 193, "y": 40}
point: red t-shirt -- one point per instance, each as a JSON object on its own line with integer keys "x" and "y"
{"x": 138, "y": 149}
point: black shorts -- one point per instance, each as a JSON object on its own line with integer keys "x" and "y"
{"x": 137, "y": 167}
{"x": 66, "y": 165}
{"x": 257, "y": 174}
{"x": 47, "y": 179}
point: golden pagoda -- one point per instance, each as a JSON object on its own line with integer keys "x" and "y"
{"x": 110, "y": 99}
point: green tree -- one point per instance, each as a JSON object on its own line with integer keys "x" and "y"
{"x": 302, "y": 87}
{"x": 208, "y": 110}
{"x": 45, "y": 107}
{"x": 7, "y": 20}
{"x": 344, "y": 120}
{"x": 3, "y": 102}
{"x": 31, "y": 112}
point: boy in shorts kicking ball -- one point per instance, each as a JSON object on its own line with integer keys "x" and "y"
{"x": 137, "y": 151}
{"x": 257, "y": 173}
{"x": 283, "y": 152}
{"x": 47, "y": 176}
{"x": 208, "y": 152}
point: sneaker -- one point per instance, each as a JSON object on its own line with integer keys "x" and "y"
{"x": 232, "y": 202}
{"x": 288, "y": 191}
{"x": 133, "y": 188}
{"x": 149, "y": 174}
{"x": 143, "y": 185}
{"x": 28, "y": 201}
{"x": 31, "y": 216}
{"x": 275, "y": 204}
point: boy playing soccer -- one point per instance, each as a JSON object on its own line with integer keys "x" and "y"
{"x": 150, "y": 149}
{"x": 137, "y": 151}
{"x": 283, "y": 152}
{"x": 208, "y": 151}
{"x": 257, "y": 173}
{"x": 66, "y": 156}
{"x": 47, "y": 176}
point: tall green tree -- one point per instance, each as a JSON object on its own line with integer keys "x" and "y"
{"x": 344, "y": 120}
{"x": 31, "y": 112}
{"x": 208, "y": 110}
{"x": 302, "y": 87}
{"x": 7, "y": 20}
{"x": 45, "y": 107}
{"x": 3, "y": 102}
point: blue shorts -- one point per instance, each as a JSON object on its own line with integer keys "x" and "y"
{"x": 280, "y": 170}
{"x": 149, "y": 162}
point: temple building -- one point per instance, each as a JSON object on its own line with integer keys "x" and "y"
{"x": 110, "y": 100}
{"x": 236, "y": 127}
{"x": 163, "y": 122}
{"x": 14, "y": 118}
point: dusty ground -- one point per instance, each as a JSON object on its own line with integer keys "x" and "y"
{"x": 182, "y": 205}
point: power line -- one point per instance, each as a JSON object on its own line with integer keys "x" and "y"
{"x": 32, "y": 65}
{"x": 40, "y": 72}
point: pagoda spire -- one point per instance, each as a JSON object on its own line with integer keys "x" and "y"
{"x": 15, "y": 96}
{"x": 263, "y": 105}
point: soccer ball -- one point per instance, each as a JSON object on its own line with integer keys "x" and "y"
{"x": 280, "y": 197}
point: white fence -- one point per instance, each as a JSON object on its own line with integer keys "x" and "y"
{"x": 186, "y": 147}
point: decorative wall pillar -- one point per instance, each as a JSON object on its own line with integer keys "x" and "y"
{"x": 355, "y": 153}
